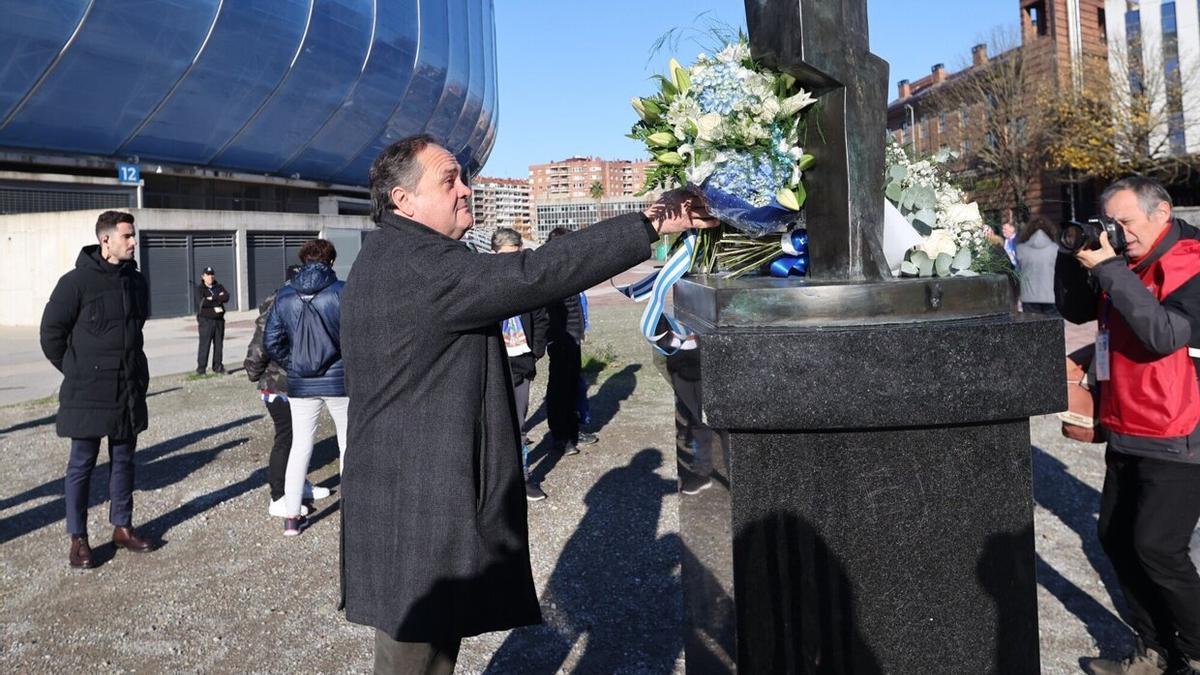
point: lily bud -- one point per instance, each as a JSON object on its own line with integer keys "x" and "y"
{"x": 806, "y": 162}
{"x": 679, "y": 75}
{"x": 670, "y": 158}
{"x": 662, "y": 139}
{"x": 787, "y": 199}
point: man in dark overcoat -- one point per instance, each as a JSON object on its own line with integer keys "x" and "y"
{"x": 435, "y": 541}
{"x": 92, "y": 332}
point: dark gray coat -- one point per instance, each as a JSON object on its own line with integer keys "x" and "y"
{"x": 435, "y": 542}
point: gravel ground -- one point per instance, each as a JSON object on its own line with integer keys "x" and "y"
{"x": 228, "y": 593}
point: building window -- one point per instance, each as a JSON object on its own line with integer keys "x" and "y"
{"x": 1133, "y": 38}
{"x": 1036, "y": 14}
{"x": 1170, "y": 33}
{"x": 943, "y": 124}
{"x": 966, "y": 117}
{"x": 1102, "y": 20}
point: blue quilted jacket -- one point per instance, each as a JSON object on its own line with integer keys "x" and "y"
{"x": 307, "y": 341}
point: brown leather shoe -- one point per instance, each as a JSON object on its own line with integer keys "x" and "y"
{"x": 126, "y": 538}
{"x": 81, "y": 553}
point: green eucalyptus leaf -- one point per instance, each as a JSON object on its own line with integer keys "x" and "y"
{"x": 918, "y": 258}
{"x": 898, "y": 172}
{"x": 962, "y": 260}
{"x": 927, "y": 269}
{"x": 942, "y": 265}
{"x": 893, "y": 192}
{"x": 927, "y": 216}
{"x": 967, "y": 273}
{"x": 908, "y": 269}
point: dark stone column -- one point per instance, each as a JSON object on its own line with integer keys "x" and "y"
{"x": 874, "y": 511}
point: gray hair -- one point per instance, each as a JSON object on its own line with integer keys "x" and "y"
{"x": 505, "y": 236}
{"x": 396, "y": 166}
{"x": 1150, "y": 193}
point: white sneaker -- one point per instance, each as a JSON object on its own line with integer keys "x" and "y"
{"x": 315, "y": 491}
{"x": 279, "y": 510}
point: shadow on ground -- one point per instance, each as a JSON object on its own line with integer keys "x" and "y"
{"x": 157, "y": 466}
{"x": 1077, "y": 505}
{"x": 615, "y": 588}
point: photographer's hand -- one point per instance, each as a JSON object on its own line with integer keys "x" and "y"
{"x": 1090, "y": 259}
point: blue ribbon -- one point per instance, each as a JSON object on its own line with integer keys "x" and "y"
{"x": 794, "y": 262}
{"x": 655, "y": 287}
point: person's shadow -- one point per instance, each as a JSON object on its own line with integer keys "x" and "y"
{"x": 1077, "y": 505}
{"x": 614, "y": 586}
{"x": 604, "y": 404}
{"x": 156, "y": 466}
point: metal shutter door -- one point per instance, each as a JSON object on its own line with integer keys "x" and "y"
{"x": 164, "y": 263}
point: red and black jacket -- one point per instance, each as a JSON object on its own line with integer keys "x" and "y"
{"x": 1151, "y": 308}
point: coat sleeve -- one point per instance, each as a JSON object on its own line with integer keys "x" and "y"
{"x": 221, "y": 296}
{"x": 1161, "y": 329}
{"x": 256, "y": 355}
{"x": 541, "y": 324}
{"x": 472, "y": 290}
{"x": 275, "y": 340}
{"x": 58, "y": 320}
{"x": 1074, "y": 295}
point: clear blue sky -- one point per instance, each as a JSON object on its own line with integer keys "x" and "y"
{"x": 568, "y": 68}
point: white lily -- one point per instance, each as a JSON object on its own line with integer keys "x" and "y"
{"x": 795, "y": 103}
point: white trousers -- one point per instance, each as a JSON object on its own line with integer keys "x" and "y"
{"x": 305, "y": 413}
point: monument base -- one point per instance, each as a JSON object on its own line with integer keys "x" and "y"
{"x": 874, "y": 510}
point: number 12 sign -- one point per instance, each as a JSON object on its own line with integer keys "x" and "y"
{"x": 129, "y": 173}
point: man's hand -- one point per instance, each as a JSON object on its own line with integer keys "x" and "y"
{"x": 679, "y": 211}
{"x": 1090, "y": 259}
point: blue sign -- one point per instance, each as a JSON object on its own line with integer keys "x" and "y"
{"x": 129, "y": 173}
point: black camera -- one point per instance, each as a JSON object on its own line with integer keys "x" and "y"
{"x": 1075, "y": 236}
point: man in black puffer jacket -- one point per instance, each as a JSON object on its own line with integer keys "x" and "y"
{"x": 92, "y": 332}
{"x": 303, "y": 334}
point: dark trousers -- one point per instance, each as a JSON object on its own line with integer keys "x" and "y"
{"x": 212, "y": 332}
{"x": 414, "y": 658}
{"x": 562, "y": 390}
{"x": 79, "y": 482}
{"x": 1148, "y": 511}
{"x": 281, "y": 415}
{"x": 693, "y": 438}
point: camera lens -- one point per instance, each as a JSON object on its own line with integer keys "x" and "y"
{"x": 1072, "y": 237}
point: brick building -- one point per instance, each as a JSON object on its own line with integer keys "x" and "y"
{"x": 572, "y": 178}
{"x": 1061, "y": 42}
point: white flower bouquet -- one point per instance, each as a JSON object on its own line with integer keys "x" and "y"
{"x": 955, "y": 237}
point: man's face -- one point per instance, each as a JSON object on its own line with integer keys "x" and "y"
{"x": 119, "y": 244}
{"x": 441, "y": 201}
{"x": 209, "y": 278}
{"x": 1008, "y": 230}
{"x": 1141, "y": 230}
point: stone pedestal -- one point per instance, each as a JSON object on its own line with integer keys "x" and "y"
{"x": 874, "y": 510}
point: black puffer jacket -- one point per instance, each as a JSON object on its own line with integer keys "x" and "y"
{"x": 92, "y": 332}
{"x": 269, "y": 375}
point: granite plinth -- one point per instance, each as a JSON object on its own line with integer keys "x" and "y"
{"x": 873, "y": 512}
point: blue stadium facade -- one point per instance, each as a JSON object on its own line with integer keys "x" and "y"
{"x": 295, "y": 88}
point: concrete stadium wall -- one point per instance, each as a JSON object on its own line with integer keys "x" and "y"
{"x": 38, "y": 248}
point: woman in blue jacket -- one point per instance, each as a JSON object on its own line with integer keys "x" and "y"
{"x": 303, "y": 334}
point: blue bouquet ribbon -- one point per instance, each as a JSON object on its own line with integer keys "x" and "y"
{"x": 655, "y": 287}
{"x": 755, "y": 221}
{"x": 794, "y": 261}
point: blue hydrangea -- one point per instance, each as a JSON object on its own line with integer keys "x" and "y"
{"x": 718, "y": 88}
{"x": 754, "y": 177}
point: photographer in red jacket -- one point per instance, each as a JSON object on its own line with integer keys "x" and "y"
{"x": 1147, "y": 305}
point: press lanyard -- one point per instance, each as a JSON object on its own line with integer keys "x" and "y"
{"x": 1103, "y": 350}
